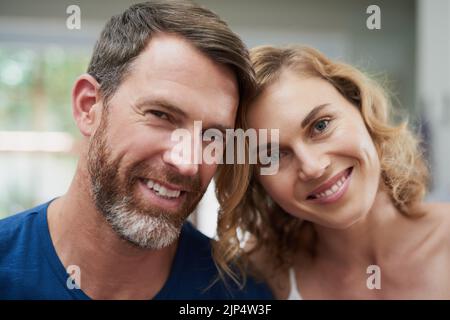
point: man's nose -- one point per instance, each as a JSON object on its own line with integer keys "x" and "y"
{"x": 187, "y": 169}
{"x": 184, "y": 156}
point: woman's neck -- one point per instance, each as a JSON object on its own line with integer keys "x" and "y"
{"x": 370, "y": 240}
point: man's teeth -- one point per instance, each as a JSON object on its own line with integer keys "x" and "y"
{"x": 334, "y": 188}
{"x": 163, "y": 191}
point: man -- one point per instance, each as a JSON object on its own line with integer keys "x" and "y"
{"x": 120, "y": 230}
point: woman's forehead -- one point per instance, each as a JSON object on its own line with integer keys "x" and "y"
{"x": 291, "y": 96}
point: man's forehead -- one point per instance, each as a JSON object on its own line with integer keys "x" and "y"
{"x": 168, "y": 53}
{"x": 173, "y": 71}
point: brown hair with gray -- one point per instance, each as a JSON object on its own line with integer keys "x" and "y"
{"x": 127, "y": 34}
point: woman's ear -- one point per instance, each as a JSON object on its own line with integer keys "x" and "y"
{"x": 86, "y": 104}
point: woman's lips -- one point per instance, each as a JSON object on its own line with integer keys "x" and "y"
{"x": 333, "y": 189}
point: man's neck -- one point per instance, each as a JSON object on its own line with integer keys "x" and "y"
{"x": 111, "y": 268}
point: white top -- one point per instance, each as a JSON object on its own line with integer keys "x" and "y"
{"x": 294, "y": 293}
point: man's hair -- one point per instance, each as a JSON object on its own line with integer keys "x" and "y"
{"x": 127, "y": 34}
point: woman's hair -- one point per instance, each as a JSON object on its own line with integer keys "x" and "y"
{"x": 245, "y": 205}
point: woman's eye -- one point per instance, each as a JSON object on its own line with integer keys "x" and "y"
{"x": 278, "y": 155}
{"x": 321, "y": 125}
{"x": 268, "y": 156}
{"x": 159, "y": 114}
{"x": 275, "y": 156}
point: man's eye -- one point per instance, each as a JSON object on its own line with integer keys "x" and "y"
{"x": 212, "y": 138}
{"x": 212, "y": 135}
{"x": 321, "y": 125}
{"x": 159, "y": 114}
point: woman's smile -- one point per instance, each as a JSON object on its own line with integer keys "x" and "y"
{"x": 332, "y": 190}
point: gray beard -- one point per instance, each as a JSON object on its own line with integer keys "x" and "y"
{"x": 142, "y": 227}
{"x": 141, "y": 230}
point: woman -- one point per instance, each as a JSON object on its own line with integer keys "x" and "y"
{"x": 343, "y": 217}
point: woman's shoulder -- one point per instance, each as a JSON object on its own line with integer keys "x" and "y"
{"x": 436, "y": 211}
{"x": 436, "y": 219}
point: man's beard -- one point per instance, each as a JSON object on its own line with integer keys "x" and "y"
{"x": 140, "y": 223}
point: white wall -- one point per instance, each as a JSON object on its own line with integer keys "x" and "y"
{"x": 433, "y": 86}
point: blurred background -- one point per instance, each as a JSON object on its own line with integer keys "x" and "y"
{"x": 40, "y": 58}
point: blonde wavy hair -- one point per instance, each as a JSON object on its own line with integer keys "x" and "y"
{"x": 245, "y": 207}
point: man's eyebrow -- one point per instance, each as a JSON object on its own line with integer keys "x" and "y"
{"x": 161, "y": 103}
{"x": 219, "y": 127}
{"x": 169, "y": 106}
{"x": 312, "y": 114}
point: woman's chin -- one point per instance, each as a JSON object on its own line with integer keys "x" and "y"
{"x": 342, "y": 222}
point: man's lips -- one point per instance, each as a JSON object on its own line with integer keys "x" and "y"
{"x": 165, "y": 184}
{"x": 162, "y": 199}
{"x": 329, "y": 184}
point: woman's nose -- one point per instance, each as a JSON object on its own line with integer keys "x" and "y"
{"x": 311, "y": 164}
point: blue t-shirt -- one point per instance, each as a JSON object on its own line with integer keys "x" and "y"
{"x": 30, "y": 267}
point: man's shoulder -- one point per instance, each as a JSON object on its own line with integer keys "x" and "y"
{"x": 18, "y": 245}
{"x": 16, "y": 230}
{"x": 196, "y": 238}
{"x": 25, "y": 272}
{"x": 194, "y": 249}
{"x": 15, "y": 223}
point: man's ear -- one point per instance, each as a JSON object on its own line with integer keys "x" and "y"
{"x": 86, "y": 104}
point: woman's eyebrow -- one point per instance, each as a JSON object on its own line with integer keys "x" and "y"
{"x": 312, "y": 114}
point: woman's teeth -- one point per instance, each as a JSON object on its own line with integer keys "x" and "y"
{"x": 334, "y": 188}
{"x": 162, "y": 191}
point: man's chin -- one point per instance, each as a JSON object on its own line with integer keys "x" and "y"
{"x": 142, "y": 230}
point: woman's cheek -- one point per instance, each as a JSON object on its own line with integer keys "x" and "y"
{"x": 278, "y": 187}
{"x": 347, "y": 140}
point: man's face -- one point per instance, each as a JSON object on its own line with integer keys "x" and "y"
{"x": 144, "y": 193}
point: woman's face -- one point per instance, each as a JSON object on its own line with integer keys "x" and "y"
{"x": 328, "y": 165}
